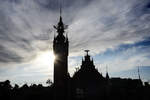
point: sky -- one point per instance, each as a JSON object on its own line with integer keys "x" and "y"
{"x": 117, "y": 33}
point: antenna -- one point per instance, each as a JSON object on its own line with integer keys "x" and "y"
{"x": 107, "y": 76}
{"x": 139, "y": 73}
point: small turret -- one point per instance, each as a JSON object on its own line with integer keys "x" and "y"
{"x": 87, "y": 61}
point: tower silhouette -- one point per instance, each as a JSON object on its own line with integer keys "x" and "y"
{"x": 60, "y": 49}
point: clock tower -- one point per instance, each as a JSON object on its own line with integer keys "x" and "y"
{"x": 60, "y": 49}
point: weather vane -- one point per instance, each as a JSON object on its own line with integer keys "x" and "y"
{"x": 87, "y": 51}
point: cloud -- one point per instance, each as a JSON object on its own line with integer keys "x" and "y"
{"x": 26, "y": 24}
{"x": 125, "y": 59}
{"x": 22, "y": 32}
{"x": 102, "y": 25}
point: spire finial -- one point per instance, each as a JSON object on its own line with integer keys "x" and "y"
{"x": 60, "y": 7}
{"x": 60, "y": 12}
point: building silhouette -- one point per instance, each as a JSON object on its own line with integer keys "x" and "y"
{"x": 87, "y": 83}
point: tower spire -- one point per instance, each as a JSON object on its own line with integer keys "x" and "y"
{"x": 60, "y": 27}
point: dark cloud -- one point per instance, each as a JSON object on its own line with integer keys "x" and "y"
{"x": 148, "y": 5}
{"x": 25, "y": 25}
{"x": 55, "y": 4}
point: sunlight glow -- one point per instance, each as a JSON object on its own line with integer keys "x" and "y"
{"x": 47, "y": 57}
{"x": 46, "y": 60}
